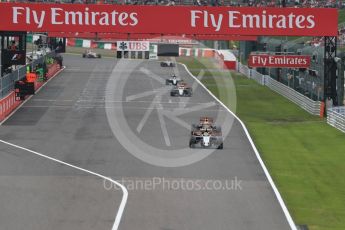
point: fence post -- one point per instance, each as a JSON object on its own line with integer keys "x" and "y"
{"x": 322, "y": 109}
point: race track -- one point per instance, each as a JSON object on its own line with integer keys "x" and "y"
{"x": 121, "y": 123}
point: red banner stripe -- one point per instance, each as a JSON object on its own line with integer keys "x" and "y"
{"x": 152, "y": 36}
{"x": 169, "y": 20}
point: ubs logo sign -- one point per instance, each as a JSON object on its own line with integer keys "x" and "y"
{"x": 133, "y": 46}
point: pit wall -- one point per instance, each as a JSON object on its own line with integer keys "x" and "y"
{"x": 8, "y": 104}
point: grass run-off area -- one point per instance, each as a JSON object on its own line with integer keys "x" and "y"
{"x": 304, "y": 155}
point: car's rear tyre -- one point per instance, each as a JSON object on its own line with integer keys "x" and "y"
{"x": 99, "y": 56}
{"x": 220, "y": 146}
{"x": 191, "y": 145}
{"x": 193, "y": 128}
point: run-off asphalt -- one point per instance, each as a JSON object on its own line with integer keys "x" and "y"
{"x": 68, "y": 120}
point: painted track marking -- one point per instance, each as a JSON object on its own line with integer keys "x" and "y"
{"x": 123, "y": 188}
{"x": 269, "y": 178}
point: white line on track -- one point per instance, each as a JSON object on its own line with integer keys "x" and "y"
{"x": 179, "y": 111}
{"x": 140, "y": 95}
{"x": 123, "y": 188}
{"x": 201, "y": 107}
{"x": 119, "y": 101}
{"x": 269, "y": 178}
{"x": 73, "y": 69}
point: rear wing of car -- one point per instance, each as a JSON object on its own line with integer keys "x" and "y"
{"x": 206, "y": 120}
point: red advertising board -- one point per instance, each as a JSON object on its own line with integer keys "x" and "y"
{"x": 168, "y": 20}
{"x": 279, "y": 61}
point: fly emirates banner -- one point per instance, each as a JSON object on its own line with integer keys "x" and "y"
{"x": 168, "y": 20}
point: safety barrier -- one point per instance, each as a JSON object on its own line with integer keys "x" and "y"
{"x": 313, "y": 107}
{"x": 304, "y": 102}
{"x": 7, "y": 81}
{"x": 258, "y": 77}
{"x": 52, "y": 70}
{"x": 336, "y": 117}
{"x": 8, "y": 103}
{"x": 243, "y": 69}
{"x": 252, "y": 74}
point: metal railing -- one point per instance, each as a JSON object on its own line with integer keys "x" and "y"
{"x": 258, "y": 77}
{"x": 243, "y": 69}
{"x": 252, "y": 74}
{"x": 7, "y": 82}
{"x": 336, "y": 117}
{"x": 304, "y": 102}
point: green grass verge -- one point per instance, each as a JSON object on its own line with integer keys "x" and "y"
{"x": 304, "y": 155}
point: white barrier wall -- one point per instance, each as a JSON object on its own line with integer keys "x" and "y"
{"x": 336, "y": 117}
{"x": 313, "y": 107}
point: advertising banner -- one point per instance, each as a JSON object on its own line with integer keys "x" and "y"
{"x": 279, "y": 61}
{"x": 132, "y": 46}
{"x": 153, "y": 52}
{"x": 109, "y": 18}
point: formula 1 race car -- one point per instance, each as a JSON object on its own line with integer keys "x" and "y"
{"x": 173, "y": 80}
{"x": 90, "y": 54}
{"x": 181, "y": 90}
{"x": 167, "y": 64}
{"x": 206, "y": 135}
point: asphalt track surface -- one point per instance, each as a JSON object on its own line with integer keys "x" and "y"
{"x": 69, "y": 120}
